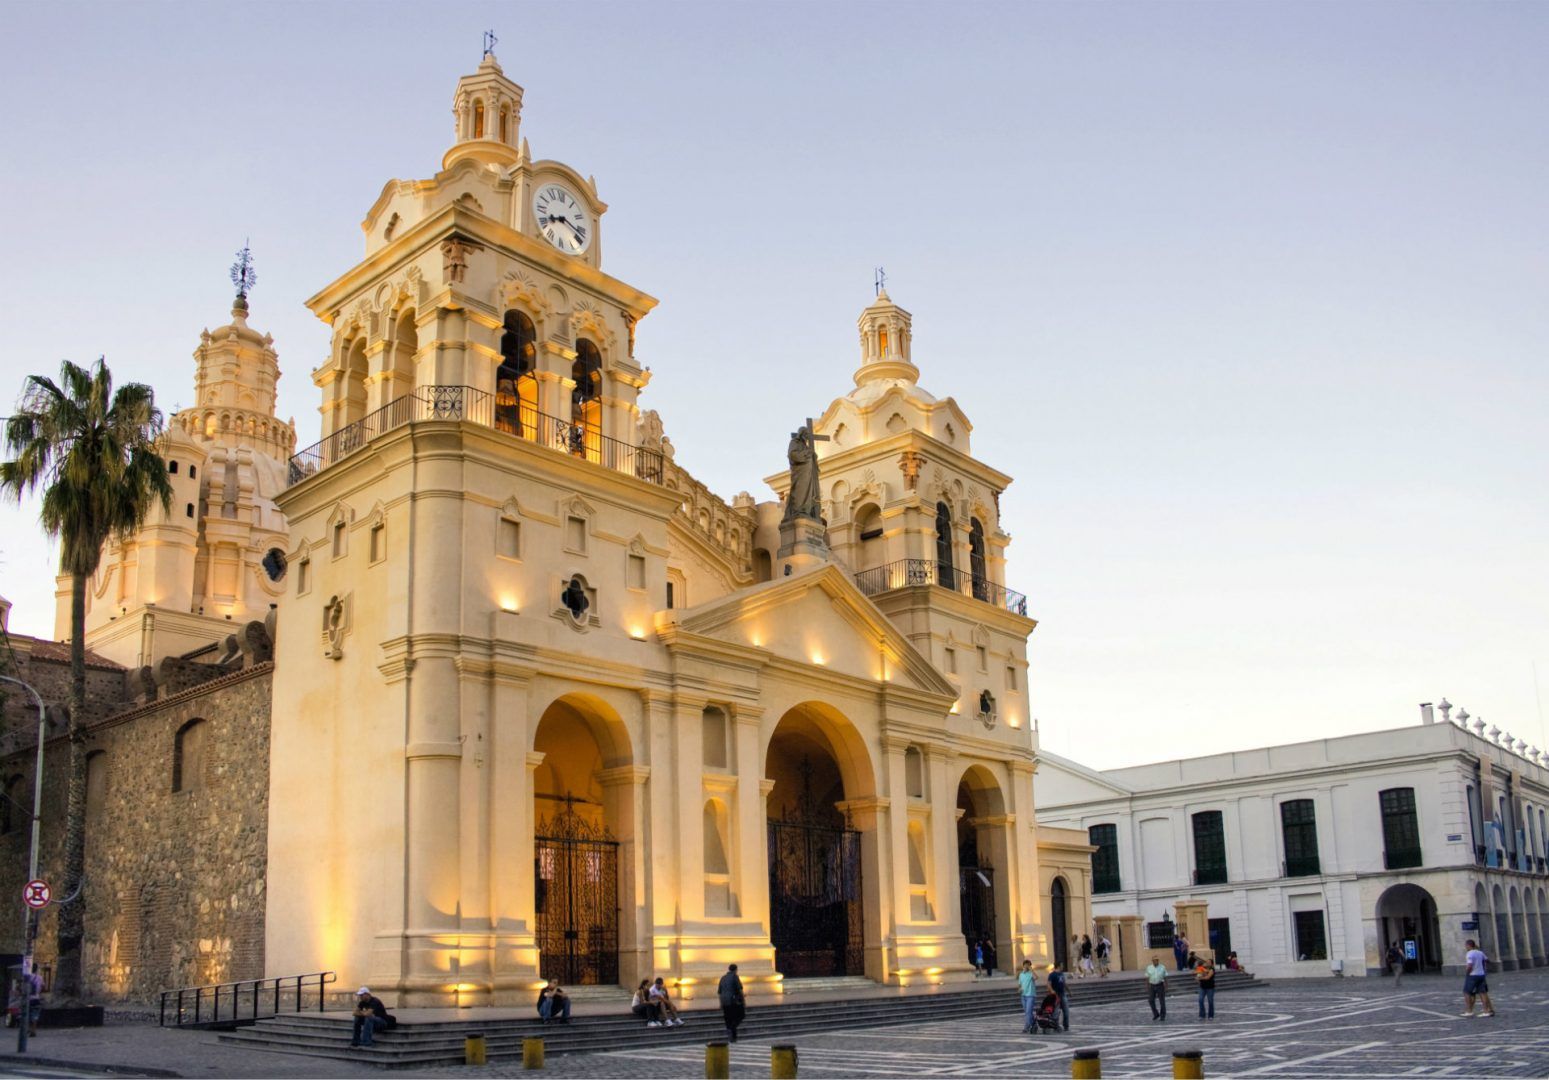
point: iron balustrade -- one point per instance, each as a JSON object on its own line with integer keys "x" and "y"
{"x": 1401, "y": 858}
{"x": 244, "y": 1002}
{"x": 905, "y": 573}
{"x": 487, "y": 410}
{"x": 1210, "y": 875}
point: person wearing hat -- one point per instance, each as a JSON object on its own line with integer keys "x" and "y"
{"x": 370, "y": 1017}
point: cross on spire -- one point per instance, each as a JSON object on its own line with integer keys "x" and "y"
{"x": 489, "y": 42}
{"x": 880, "y": 281}
{"x": 243, "y": 276}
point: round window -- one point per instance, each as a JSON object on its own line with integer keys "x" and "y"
{"x": 275, "y": 564}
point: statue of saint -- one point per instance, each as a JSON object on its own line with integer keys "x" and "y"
{"x": 806, "y": 497}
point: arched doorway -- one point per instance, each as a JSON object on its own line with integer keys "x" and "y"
{"x": 816, "y": 880}
{"x": 1059, "y": 923}
{"x": 1406, "y": 917}
{"x": 576, "y": 843}
{"x": 981, "y": 852}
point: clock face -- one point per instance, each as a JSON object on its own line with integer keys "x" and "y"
{"x": 562, "y": 219}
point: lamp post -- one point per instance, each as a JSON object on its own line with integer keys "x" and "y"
{"x": 25, "y": 1019}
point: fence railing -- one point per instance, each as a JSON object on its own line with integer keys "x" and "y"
{"x": 480, "y": 407}
{"x": 245, "y": 1001}
{"x": 907, "y": 572}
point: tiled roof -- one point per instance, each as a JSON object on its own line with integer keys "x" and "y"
{"x": 59, "y": 652}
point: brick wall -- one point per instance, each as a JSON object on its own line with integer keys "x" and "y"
{"x": 175, "y": 880}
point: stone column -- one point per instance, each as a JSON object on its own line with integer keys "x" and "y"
{"x": 897, "y": 834}
{"x": 1131, "y": 944}
{"x": 441, "y": 360}
{"x": 1193, "y": 917}
{"x": 624, "y": 795}
{"x": 475, "y": 946}
{"x": 751, "y": 817}
{"x": 662, "y": 832}
{"x": 866, "y": 816}
{"x": 511, "y": 822}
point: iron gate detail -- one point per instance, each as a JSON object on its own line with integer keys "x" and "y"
{"x": 575, "y": 883}
{"x": 977, "y": 890}
{"x": 815, "y": 913}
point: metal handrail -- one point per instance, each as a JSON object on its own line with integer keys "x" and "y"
{"x": 200, "y": 1006}
{"x": 904, "y": 573}
{"x": 487, "y": 410}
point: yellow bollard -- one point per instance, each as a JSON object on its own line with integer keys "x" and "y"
{"x": 782, "y": 1062}
{"x": 717, "y": 1061}
{"x": 1188, "y": 1065}
{"x": 473, "y": 1048}
{"x": 532, "y": 1053}
{"x": 1086, "y": 1065}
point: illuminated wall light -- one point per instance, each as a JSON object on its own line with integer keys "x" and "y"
{"x": 817, "y": 658}
{"x": 508, "y": 604}
{"x": 637, "y": 633}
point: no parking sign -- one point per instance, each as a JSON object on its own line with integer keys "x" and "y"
{"x": 37, "y": 893}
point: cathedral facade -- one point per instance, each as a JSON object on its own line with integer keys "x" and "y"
{"x": 545, "y": 706}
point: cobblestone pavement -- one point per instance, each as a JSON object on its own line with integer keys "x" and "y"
{"x": 1291, "y": 1028}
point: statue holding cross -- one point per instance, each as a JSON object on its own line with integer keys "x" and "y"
{"x": 806, "y": 496}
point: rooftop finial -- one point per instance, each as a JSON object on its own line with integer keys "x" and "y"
{"x": 879, "y": 282}
{"x": 243, "y": 276}
{"x": 489, "y": 42}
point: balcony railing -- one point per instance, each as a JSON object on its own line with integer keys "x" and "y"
{"x": 1401, "y": 858}
{"x": 1210, "y": 875}
{"x": 479, "y": 407}
{"x": 907, "y": 572}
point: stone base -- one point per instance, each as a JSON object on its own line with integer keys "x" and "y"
{"x": 803, "y": 543}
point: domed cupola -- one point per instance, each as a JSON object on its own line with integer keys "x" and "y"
{"x": 488, "y": 112}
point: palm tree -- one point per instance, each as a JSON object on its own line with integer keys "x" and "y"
{"x": 93, "y": 453}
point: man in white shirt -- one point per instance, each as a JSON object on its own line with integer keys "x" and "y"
{"x": 1474, "y": 984}
{"x": 1156, "y": 988}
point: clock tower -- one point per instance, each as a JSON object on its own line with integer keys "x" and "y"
{"x": 476, "y": 521}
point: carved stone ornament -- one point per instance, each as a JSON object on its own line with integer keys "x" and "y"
{"x": 336, "y": 623}
{"x": 454, "y": 258}
{"x": 987, "y": 708}
{"x": 909, "y": 464}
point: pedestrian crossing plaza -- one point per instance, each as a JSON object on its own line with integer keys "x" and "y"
{"x": 1290, "y": 1028}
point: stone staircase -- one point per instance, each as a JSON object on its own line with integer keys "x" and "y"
{"x": 423, "y": 1044}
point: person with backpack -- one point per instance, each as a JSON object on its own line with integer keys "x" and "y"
{"x": 1394, "y": 962}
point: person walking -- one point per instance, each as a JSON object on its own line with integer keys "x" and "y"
{"x": 977, "y": 955}
{"x": 1060, "y": 988}
{"x": 1475, "y": 964}
{"x": 734, "y": 1004}
{"x": 1395, "y": 964}
{"x": 1104, "y": 948}
{"x": 1086, "y": 955}
{"x": 1027, "y": 986}
{"x": 1156, "y": 988}
{"x": 32, "y": 996}
{"x": 1205, "y": 976}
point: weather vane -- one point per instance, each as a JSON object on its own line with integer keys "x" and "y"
{"x": 881, "y": 280}
{"x": 489, "y": 42}
{"x": 243, "y": 276}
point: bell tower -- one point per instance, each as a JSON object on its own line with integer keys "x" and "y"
{"x": 476, "y": 511}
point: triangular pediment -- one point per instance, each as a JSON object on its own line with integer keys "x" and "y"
{"x": 816, "y": 617}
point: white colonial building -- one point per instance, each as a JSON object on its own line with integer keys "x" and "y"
{"x": 1314, "y": 856}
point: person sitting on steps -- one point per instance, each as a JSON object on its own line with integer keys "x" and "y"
{"x": 553, "y": 1003}
{"x": 663, "y": 1000}
{"x": 371, "y": 1016}
{"x": 643, "y": 1007}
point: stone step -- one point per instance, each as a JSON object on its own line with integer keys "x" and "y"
{"x": 428, "y": 1043}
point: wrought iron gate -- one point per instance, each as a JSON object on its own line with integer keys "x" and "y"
{"x": 575, "y": 881}
{"x": 815, "y": 914}
{"x": 977, "y": 889}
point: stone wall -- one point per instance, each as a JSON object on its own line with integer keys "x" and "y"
{"x": 175, "y": 880}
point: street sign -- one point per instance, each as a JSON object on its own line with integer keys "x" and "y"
{"x": 37, "y": 893}
{"x": 1410, "y": 952}
{"x": 1470, "y": 924}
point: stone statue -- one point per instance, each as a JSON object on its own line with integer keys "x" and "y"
{"x": 333, "y": 628}
{"x": 806, "y": 498}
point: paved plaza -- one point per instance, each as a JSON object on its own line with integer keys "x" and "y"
{"x": 1293, "y": 1028}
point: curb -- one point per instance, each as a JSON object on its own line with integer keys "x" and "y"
{"x": 89, "y": 1066}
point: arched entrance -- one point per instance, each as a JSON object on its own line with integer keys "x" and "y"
{"x": 1406, "y": 917}
{"x": 575, "y": 842}
{"x": 816, "y": 883}
{"x": 981, "y": 852}
{"x": 1059, "y": 923}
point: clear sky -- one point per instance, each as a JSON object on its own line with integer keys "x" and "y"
{"x": 1250, "y": 299}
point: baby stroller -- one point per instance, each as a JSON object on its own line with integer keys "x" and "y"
{"x": 1047, "y": 1016}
